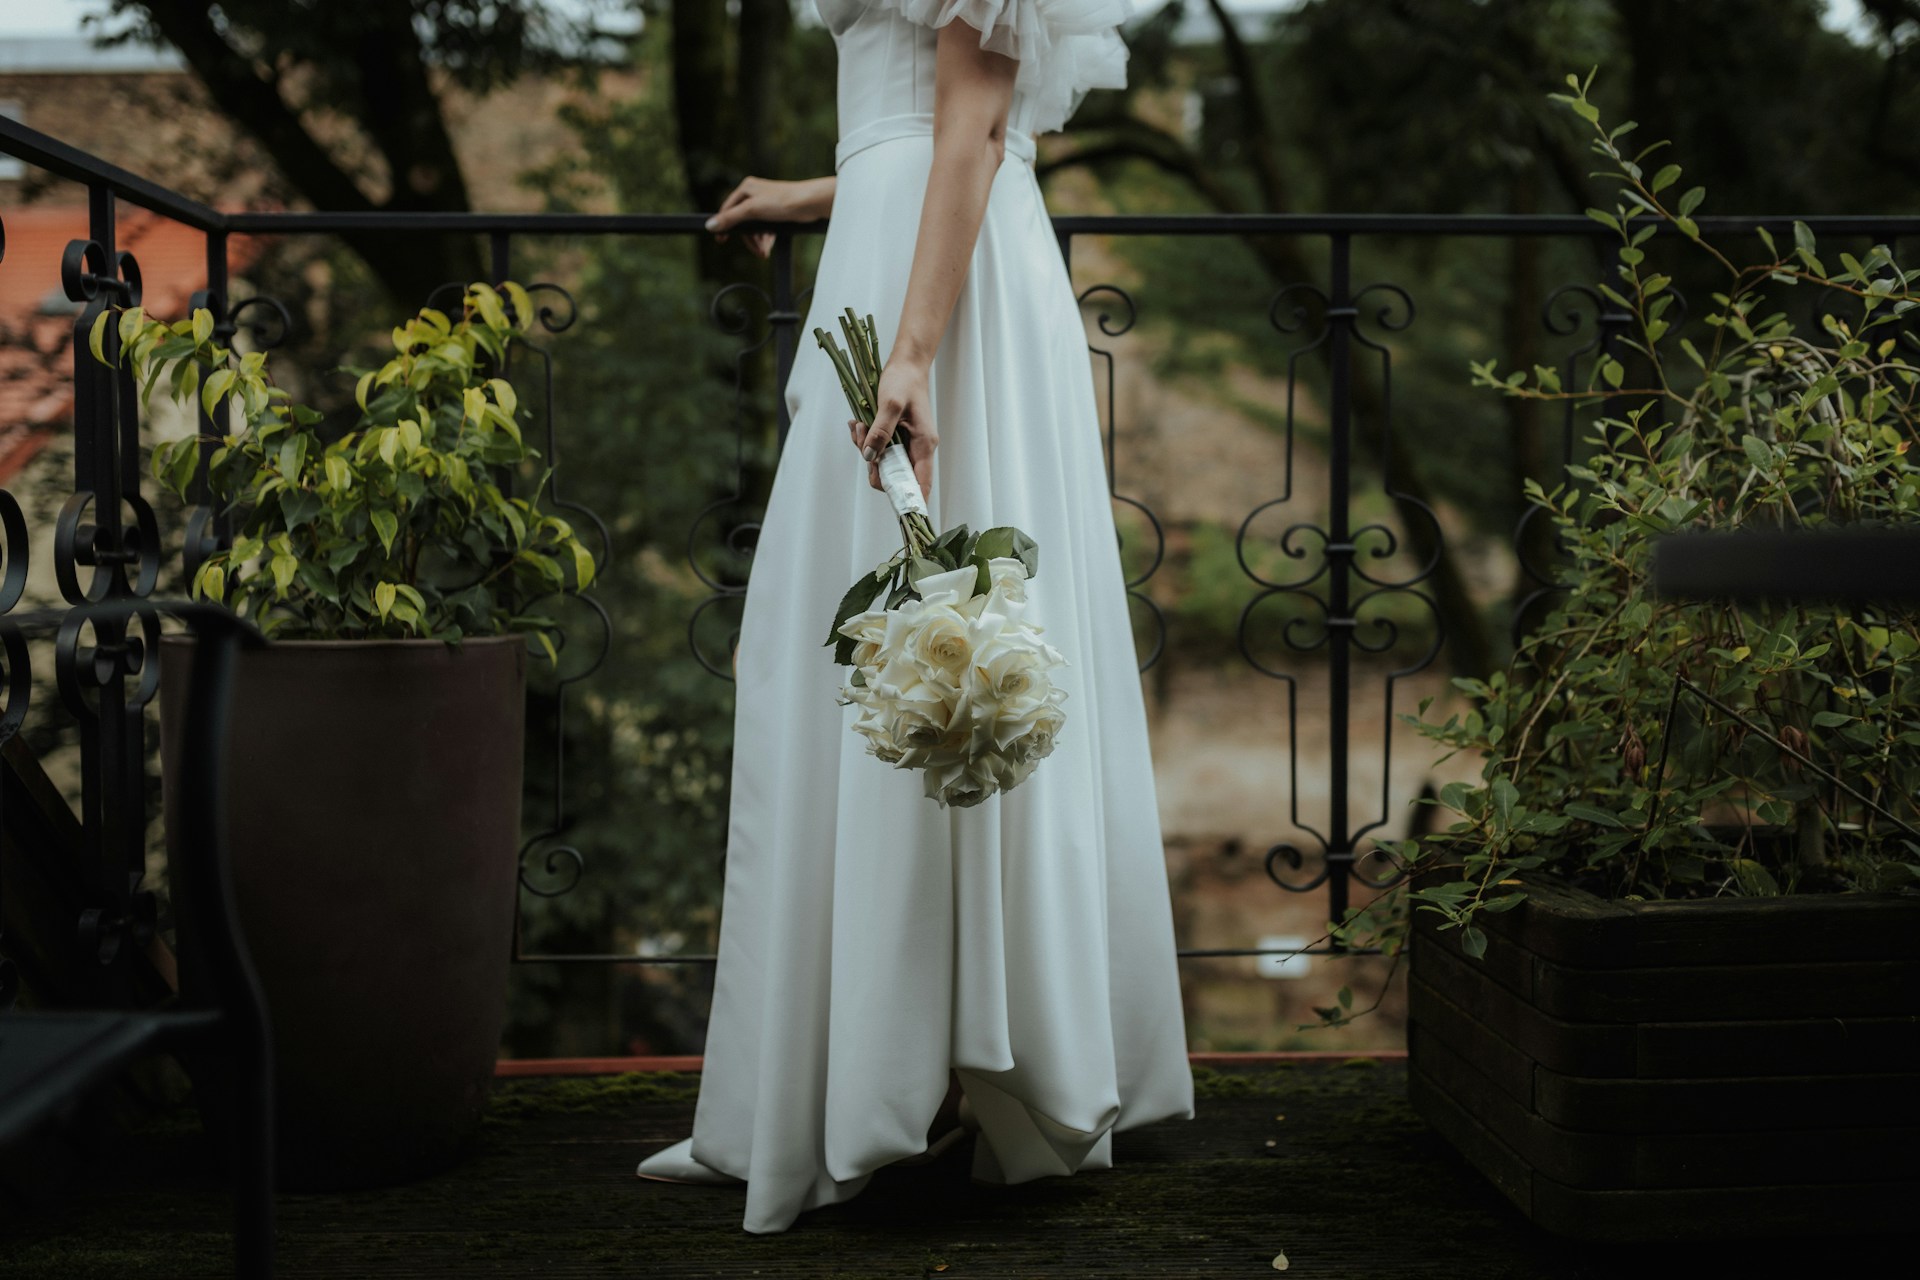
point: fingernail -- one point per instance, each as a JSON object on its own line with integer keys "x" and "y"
{"x": 870, "y": 453}
{"x": 710, "y": 222}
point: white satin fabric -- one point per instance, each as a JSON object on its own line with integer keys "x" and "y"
{"x": 870, "y": 939}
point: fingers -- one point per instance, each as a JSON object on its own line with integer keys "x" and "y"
{"x": 885, "y": 418}
{"x": 760, "y": 243}
{"x": 736, "y": 208}
{"x": 856, "y": 431}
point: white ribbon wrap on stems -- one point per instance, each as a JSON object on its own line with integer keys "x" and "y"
{"x": 901, "y": 485}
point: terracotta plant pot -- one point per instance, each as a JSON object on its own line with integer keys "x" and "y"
{"x": 374, "y": 823}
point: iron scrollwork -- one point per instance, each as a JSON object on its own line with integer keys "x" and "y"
{"x": 107, "y": 526}
{"x": 732, "y": 310}
{"x": 560, "y": 860}
{"x": 1109, "y": 295}
{"x": 1323, "y": 612}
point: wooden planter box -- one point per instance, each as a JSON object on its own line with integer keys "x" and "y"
{"x": 1675, "y": 1070}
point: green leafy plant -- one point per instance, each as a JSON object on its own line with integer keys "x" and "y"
{"x": 1645, "y": 747}
{"x": 402, "y": 525}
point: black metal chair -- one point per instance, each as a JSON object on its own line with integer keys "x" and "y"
{"x": 49, "y": 1060}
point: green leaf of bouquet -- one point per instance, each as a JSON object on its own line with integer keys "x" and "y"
{"x": 859, "y": 596}
{"x": 920, "y": 567}
{"x": 995, "y": 543}
{"x": 950, "y": 542}
{"x": 1028, "y": 551}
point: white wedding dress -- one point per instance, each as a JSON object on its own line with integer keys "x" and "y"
{"x": 869, "y": 939}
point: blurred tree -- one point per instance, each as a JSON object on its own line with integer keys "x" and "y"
{"x": 1896, "y": 24}
{"x": 1440, "y": 106}
{"x": 733, "y": 101}
{"x": 659, "y": 438}
{"x": 280, "y": 68}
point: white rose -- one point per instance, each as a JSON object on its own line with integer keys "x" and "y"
{"x": 1037, "y": 742}
{"x": 920, "y": 724}
{"x": 975, "y": 781}
{"x": 1011, "y": 670}
{"x": 948, "y": 588}
{"x": 946, "y": 753}
{"x": 940, "y": 643}
{"x": 867, "y": 631}
{"x": 1015, "y": 771}
{"x": 1007, "y": 576}
{"x": 880, "y": 738}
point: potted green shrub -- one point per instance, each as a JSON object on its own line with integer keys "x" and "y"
{"x": 1665, "y": 968}
{"x": 374, "y": 796}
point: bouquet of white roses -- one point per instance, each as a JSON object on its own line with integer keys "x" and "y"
{"x": 949, "y": 676}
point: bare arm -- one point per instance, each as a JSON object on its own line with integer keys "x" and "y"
{"x": 973, "y": 92}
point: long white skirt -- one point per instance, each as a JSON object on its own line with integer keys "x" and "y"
{"x": 870, "y": 939}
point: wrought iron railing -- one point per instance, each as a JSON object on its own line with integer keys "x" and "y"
{"x": 107, "y": 528}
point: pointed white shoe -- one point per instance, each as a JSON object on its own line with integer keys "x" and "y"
{"x": 676, "y": 1164}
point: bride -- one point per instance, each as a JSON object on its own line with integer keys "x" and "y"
{"x": 876, "y": 949}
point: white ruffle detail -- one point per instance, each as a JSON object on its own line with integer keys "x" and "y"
{"x": 1064, "y": 47}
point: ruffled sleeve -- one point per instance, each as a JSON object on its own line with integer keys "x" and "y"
{"x": 1064, "y": 47}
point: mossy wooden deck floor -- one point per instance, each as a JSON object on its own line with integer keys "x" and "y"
{"x": 1324, "y": 1162}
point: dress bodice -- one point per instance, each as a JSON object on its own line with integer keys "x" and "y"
{"x": 886, "y": 50}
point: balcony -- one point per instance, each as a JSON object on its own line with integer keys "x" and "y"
{"x": 1351, "y": 601}
{"x": 1320, "y": 1161}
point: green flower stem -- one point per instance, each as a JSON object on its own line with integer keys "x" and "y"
{"x": 859, "y": 370}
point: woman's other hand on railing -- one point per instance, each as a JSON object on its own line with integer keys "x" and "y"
{"x": 772, "y": 200}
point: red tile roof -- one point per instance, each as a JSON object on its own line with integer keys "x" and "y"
{"x": 36, "y": 320}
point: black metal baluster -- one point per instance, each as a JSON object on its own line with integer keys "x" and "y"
{"x": 1111, "y": 329}
{"x": 1611, "y": 322}
{"x": 1381, "y": 587}
{"x": 16, "y": 679}
{"x": 91, "y": 531}
{"x": 556, "y": 854}
{"x": 740, "y": 537}
{"x": 785, "y": 317}
{"x": 1339, "y": 552}
{"x": 1286, "y": 851}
